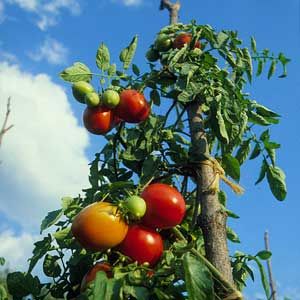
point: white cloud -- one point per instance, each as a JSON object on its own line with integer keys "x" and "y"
{"x": 129, "y": 2}
{"x": 52, "y": 51}
{"x": 43, "y": 155}
{"x": 16, "y": 249}
{"x": 46, "y": 13}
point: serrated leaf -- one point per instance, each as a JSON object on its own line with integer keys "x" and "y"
{"x": 51, "y": 219}
{"x": 232, "y": 236}
{"x": 51, "y": 267}
{"x": 231, "y": 166}
{"x": 103, "y": 58}
{"x": 155, "y": 97}
{"x": 272, "y": 69}
{"x": 248, "y": 62}
{"x": 253, "y": 44}
{"x": 77, "y": 72}
{"x": 136, "y": 70}
{"x": 264, "y": 254}
{"x": 262, "y": 173}
{"x": 243, "y": 151}
{"x": 276, "y": 180}
{"x": 222, "y": 127}
{"x": 127, "y": 54}
{"x": 177, "y": 56}
{"x": 112, "y": 70}
{"x": 198, "y": 280}
{"x": 256, "y": 151}
{"x": 62, "y": 234}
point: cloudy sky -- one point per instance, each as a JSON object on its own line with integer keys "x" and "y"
{"x": 46, "y": 155}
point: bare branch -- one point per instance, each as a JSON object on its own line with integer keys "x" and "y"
{"x": 173, "y": 9}
{"x": 5, "y": 128}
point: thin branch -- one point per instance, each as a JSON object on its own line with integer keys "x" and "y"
{"x": 173, "y": 9}
{"x": 271, "y": 279}
{"x": 5, "y": 128}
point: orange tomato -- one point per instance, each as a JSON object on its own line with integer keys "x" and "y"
{"x": 99, "y": 226}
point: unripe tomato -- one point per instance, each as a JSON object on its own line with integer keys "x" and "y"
{"x": 136, "y": 206}
{"x": 142, "y": 244}
{"x": 90, "y": 276}
{"x": 92, "y": 99}
{"x": 133, "y": 107}
{"x": 165, "y": 206}
{"x": 80, "y": 89}
{"x": 163, "y": 43}
{"x": 152, "y": 55}
{"x": 98, "y": 120}
{"x": 182, "y": 39}
{"x": 110, "y": 98}
{"x": 99, "y": 227}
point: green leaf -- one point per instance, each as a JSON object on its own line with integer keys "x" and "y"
{"x": 253, "y": 44}
{"x": 248, "y": 62}
{"x": 265, "y": 112}
{"x": 177, "y": 56}
{"x": 222, "y": 127}
{"x": 272, "y": 69}
{"x": 2, "y": 261}
{"x": 263, "y": 170}
{"x": 136, "y": 70}
{"x": 155, "y": 97}
{"x": 112, "y": 70}
{"x": 66, "y": 202}
{"x": 138, "y": 292}
{"x": 51, "y": 267}
{"x": 272, "y": 154}
{"x": 149, "y": 169}
{"x": 103, "y": 58}
{"x": 243, "y": 151}
{"x": 222, "y": 37}
{"x": 258, "y": 119}
{"x": 231, "y": 166}
{"x": 264, "y": 254}
{"x": 198, "y": 280}
{"x": 276, "y": 180}
{"x": 3, "y": 293}
{"x": 104, "y": 288}
{"x": 127, "y": 54}
{"x": 256, "y": 151}
{"x": 232, "y": 236}
{"x": 77, "y": 72}
{"x": 263, "y": 276}
{"x": 51, "y": 219}
{"x": 62, "y": 234}
{"x": 259, "y": 67}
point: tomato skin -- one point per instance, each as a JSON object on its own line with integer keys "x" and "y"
{"x": 165, "y": 206}
{"x": 98, "y": 227}
{"x": 90, "y": 276}
{"x": 98, "y": 120}
{"x": 133, "y": 107}
{"x": 182, "y": 39}
{"x": 142, "y": 244}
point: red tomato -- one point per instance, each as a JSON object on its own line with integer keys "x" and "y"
{"x": 133, "y": 107}
{"x": 142, "y": 244}
{"x": 165, "y": 206}
{"x": 91, "y": 274}
{"x": 182, "y": 39}
{"x": 98, "y": 120}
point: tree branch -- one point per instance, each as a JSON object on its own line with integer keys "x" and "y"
{"x": 5, "y": 128}
{"x": 173, "y": 9}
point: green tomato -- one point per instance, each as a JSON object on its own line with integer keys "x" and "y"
{"x": 136, "y": 206}
{"x": 163, "y": 43}
{"x": 92, "y": 99}
{"x": 152, "y": 55}
{"x": 110, "y": 98}
{"x": 80, "y": 89}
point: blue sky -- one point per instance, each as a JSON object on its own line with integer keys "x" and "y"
{"x": 45, "y": 155}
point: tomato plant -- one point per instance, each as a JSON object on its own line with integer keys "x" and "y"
{"x": 142, "y": 244}
{"x": 110, "y": 98}
{"x": 165, "y": 206}
{"x": 99, "y": 226}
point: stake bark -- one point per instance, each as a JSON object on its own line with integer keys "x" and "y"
{"x": 271, "y": 279}
{"x": 212, "y": 218}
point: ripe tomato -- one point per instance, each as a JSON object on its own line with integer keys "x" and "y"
{"x": 142, "y": 244}
{"x": 90, "y": 276}
{"x": 98, "y": 120}
{"x": 182, "y": 39}
{"x": 133, "y": 107}
{"x": 99, "y": 226}
{"x": 165, "y": 206}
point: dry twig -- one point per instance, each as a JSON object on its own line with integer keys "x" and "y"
{"x": 5, "y": 128}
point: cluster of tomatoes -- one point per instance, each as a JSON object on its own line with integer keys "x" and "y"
{"x": 104, "y": 112}
{"x": 164, "y": 43}
{"x": 101, "y": 226}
